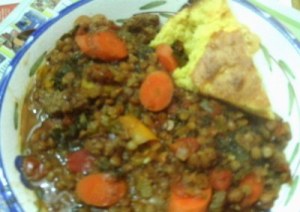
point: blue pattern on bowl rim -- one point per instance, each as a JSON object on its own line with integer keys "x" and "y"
{"x": 5, "y": 189}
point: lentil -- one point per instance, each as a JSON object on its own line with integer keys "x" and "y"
{"x": 79, "y": 101}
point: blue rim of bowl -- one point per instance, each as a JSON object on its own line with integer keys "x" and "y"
{"x": 5, "y": 188}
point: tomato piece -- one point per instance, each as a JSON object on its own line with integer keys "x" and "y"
{"x": 80, "y": 161}
{"x": 255, "y": 185}
{"x": 33, "y": 168}
{"x": 183, "y": 147}
{"x": 221, "y": 179}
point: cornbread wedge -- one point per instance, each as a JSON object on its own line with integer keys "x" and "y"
{"x": 220, "y": 56}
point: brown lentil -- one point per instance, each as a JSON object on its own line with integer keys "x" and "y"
{"x": 75, "y": 106}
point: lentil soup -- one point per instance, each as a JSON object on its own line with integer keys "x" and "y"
{"x": 96, "y": 138}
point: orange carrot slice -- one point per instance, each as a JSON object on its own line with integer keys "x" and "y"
{"x": 109, "y": 46}
{"x": 105, "y": 45}
{"x": 180, "y": 202}
{"x": 101, "y": 190}
{"x": 166, "y": 58}
{"x": 83, "y": 41}
{"x": 156, "y": 91}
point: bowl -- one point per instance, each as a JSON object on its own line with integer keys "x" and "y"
{"x": 278, "y": 61}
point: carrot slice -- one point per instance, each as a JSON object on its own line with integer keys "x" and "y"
{"x": 180, "y": 202}
{"x": 109, "y": 46}
{"x": 156, "y": 91}
{"x": 83, "y": 41}
{"x": 101, "y": 190}
{"x": 221, "y": 179}
{"x": 166, "y": 58}
{"x": 105, "y": 45}
{"x": 255, "y": 186}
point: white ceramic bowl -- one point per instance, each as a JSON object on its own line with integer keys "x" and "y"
{"x": 281, "y": 76}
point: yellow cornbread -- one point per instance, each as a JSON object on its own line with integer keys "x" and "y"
{"x": 202, "y": 28}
